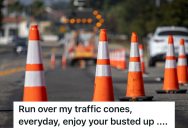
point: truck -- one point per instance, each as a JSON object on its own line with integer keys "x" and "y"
{"x": 81, "y": 47}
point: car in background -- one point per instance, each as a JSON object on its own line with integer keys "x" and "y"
{"x": 20, "y": 46}
{"x": 157, "y": 46}
{"x": 14, "y": 39}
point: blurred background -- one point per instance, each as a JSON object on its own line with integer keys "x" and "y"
{"x": 120, "y": 16}
{"x": 62, "y": 22}
{"x": 69, "y": 36}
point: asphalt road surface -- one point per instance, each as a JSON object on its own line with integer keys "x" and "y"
{"x": 75, "y": 84}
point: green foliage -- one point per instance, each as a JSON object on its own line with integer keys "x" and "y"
{"x": 1, "y": 15}
{"x": 16, "y": 7}
{"x": 37, "y": 9}
{"x": 60, "y": 5}
{"x": 141, "y": 16}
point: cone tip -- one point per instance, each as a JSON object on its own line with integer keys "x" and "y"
{"x": 34, "y": 26}
{"x": 103, "y": 30}
{"x": 182, "y": 42}
{"x": 134, "y": 37}
{"x": 103, "y": 35}
{"x": 140, "y": 46}
{"x": 170, "y": 39}
{"x": 34, "y": 33}
{"x": 134, "y": 34}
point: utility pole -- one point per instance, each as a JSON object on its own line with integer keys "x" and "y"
{"x": 157, "y": 2}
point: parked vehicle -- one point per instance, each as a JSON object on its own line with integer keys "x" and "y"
{"x": 157, "y": 46}
{"x": 15, "y": 39}
{"x": 20, "y": 48}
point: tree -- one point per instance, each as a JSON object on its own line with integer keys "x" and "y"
{"x": 60, "y": 5}
{"x": 37, "y": 9}
{"x": 16, "y": 7}
{"x": 1, "y": 15}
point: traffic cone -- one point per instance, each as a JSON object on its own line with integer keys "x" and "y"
{"x": 35, "y": 86}
{"x": 110, "y": 53}
{"x": 103, "y": 88}
{"x": 182, "y": 65}
{"x": 64, "y": 61}
{"x": 52, "y": 61}
{"x": 113, "y": 59}
{"x": 135, "y": 84}
{"x": 123, "y": 63}
{"x": 170, "y": 77}
{"x": 118, "y": 66}
{"x": 116, "y": 58}
{"x": 142, "y": 58}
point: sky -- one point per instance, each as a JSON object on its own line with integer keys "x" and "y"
{"x": 47, "y": 2}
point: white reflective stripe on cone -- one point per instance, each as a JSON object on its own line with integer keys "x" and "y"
{"x": 181, "y": 50}
{"x": 141, "y": 52}
{"x": 141, "y": 59}
{"x": 134, "y": 50}
{"x": 53, "y": 56}
{"x": 118, "y": 55}
{"x": 135, "y": 67}
{"x": 103, "y": 70}
{"x": 122, "y": 58}
{"x": 170, "y": 50}
{"x": 124, "y": 53}
{"x": 170, "y": 64}
{"x": 182, "y": 61}
{"x": 103, "y": 50}
{"x": 34, "y": 53}
{"x": 34, "y": 78}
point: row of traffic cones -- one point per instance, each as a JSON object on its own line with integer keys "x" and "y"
{"x": 171, "y": 76}
{"x": 52, "y": 61}
{"x": 135, "y": 86}
{"x": 35, "y": 87}
{"x": 118, "y": 59}
{"x": 103, "y": 88}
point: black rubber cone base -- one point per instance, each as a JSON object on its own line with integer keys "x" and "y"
{"x": 183, "y": 84}
{"x": 172, "y": 91}
{"x": 140, "y": 98}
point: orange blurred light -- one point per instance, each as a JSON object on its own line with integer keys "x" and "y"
{"x": 95, "y": 12}
{"x": 78, "y": 21}
{"x": 89, "y": 20}
{"x": 98, "y": 24}
{"x": 84, "y": 20}
{"x": 72, "y": 21}
{"x": 95, "y": 28}
{"x": 101, "y": 20}
{"x": 66, "y": 21}
{"x": 98, "y": 16}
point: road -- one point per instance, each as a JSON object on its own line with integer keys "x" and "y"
{"x": 75, "y": 84}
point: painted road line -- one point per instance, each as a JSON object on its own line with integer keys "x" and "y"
{"x": 14, "y": 70}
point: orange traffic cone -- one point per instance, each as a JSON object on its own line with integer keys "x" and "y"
{"x": 113, "y": 54}
{"x": 135, "y": 84}
{"x": 118, "y": 66}
{"x": 103, "y": 88}
{"x": 182, "y": 65}
{"x": 142, "y": 58}
{"x": 116, "y": 58}
{"x": 52, "y": 61}
{"x": 35, "y": 86}
{"x": 110, "y": 54}
{"x": 122, "y": 62}
{"x": 64, "y": 61}
{"x": 170, "y": 76}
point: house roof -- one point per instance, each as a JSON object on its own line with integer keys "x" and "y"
{"x": 8, "y": 19}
